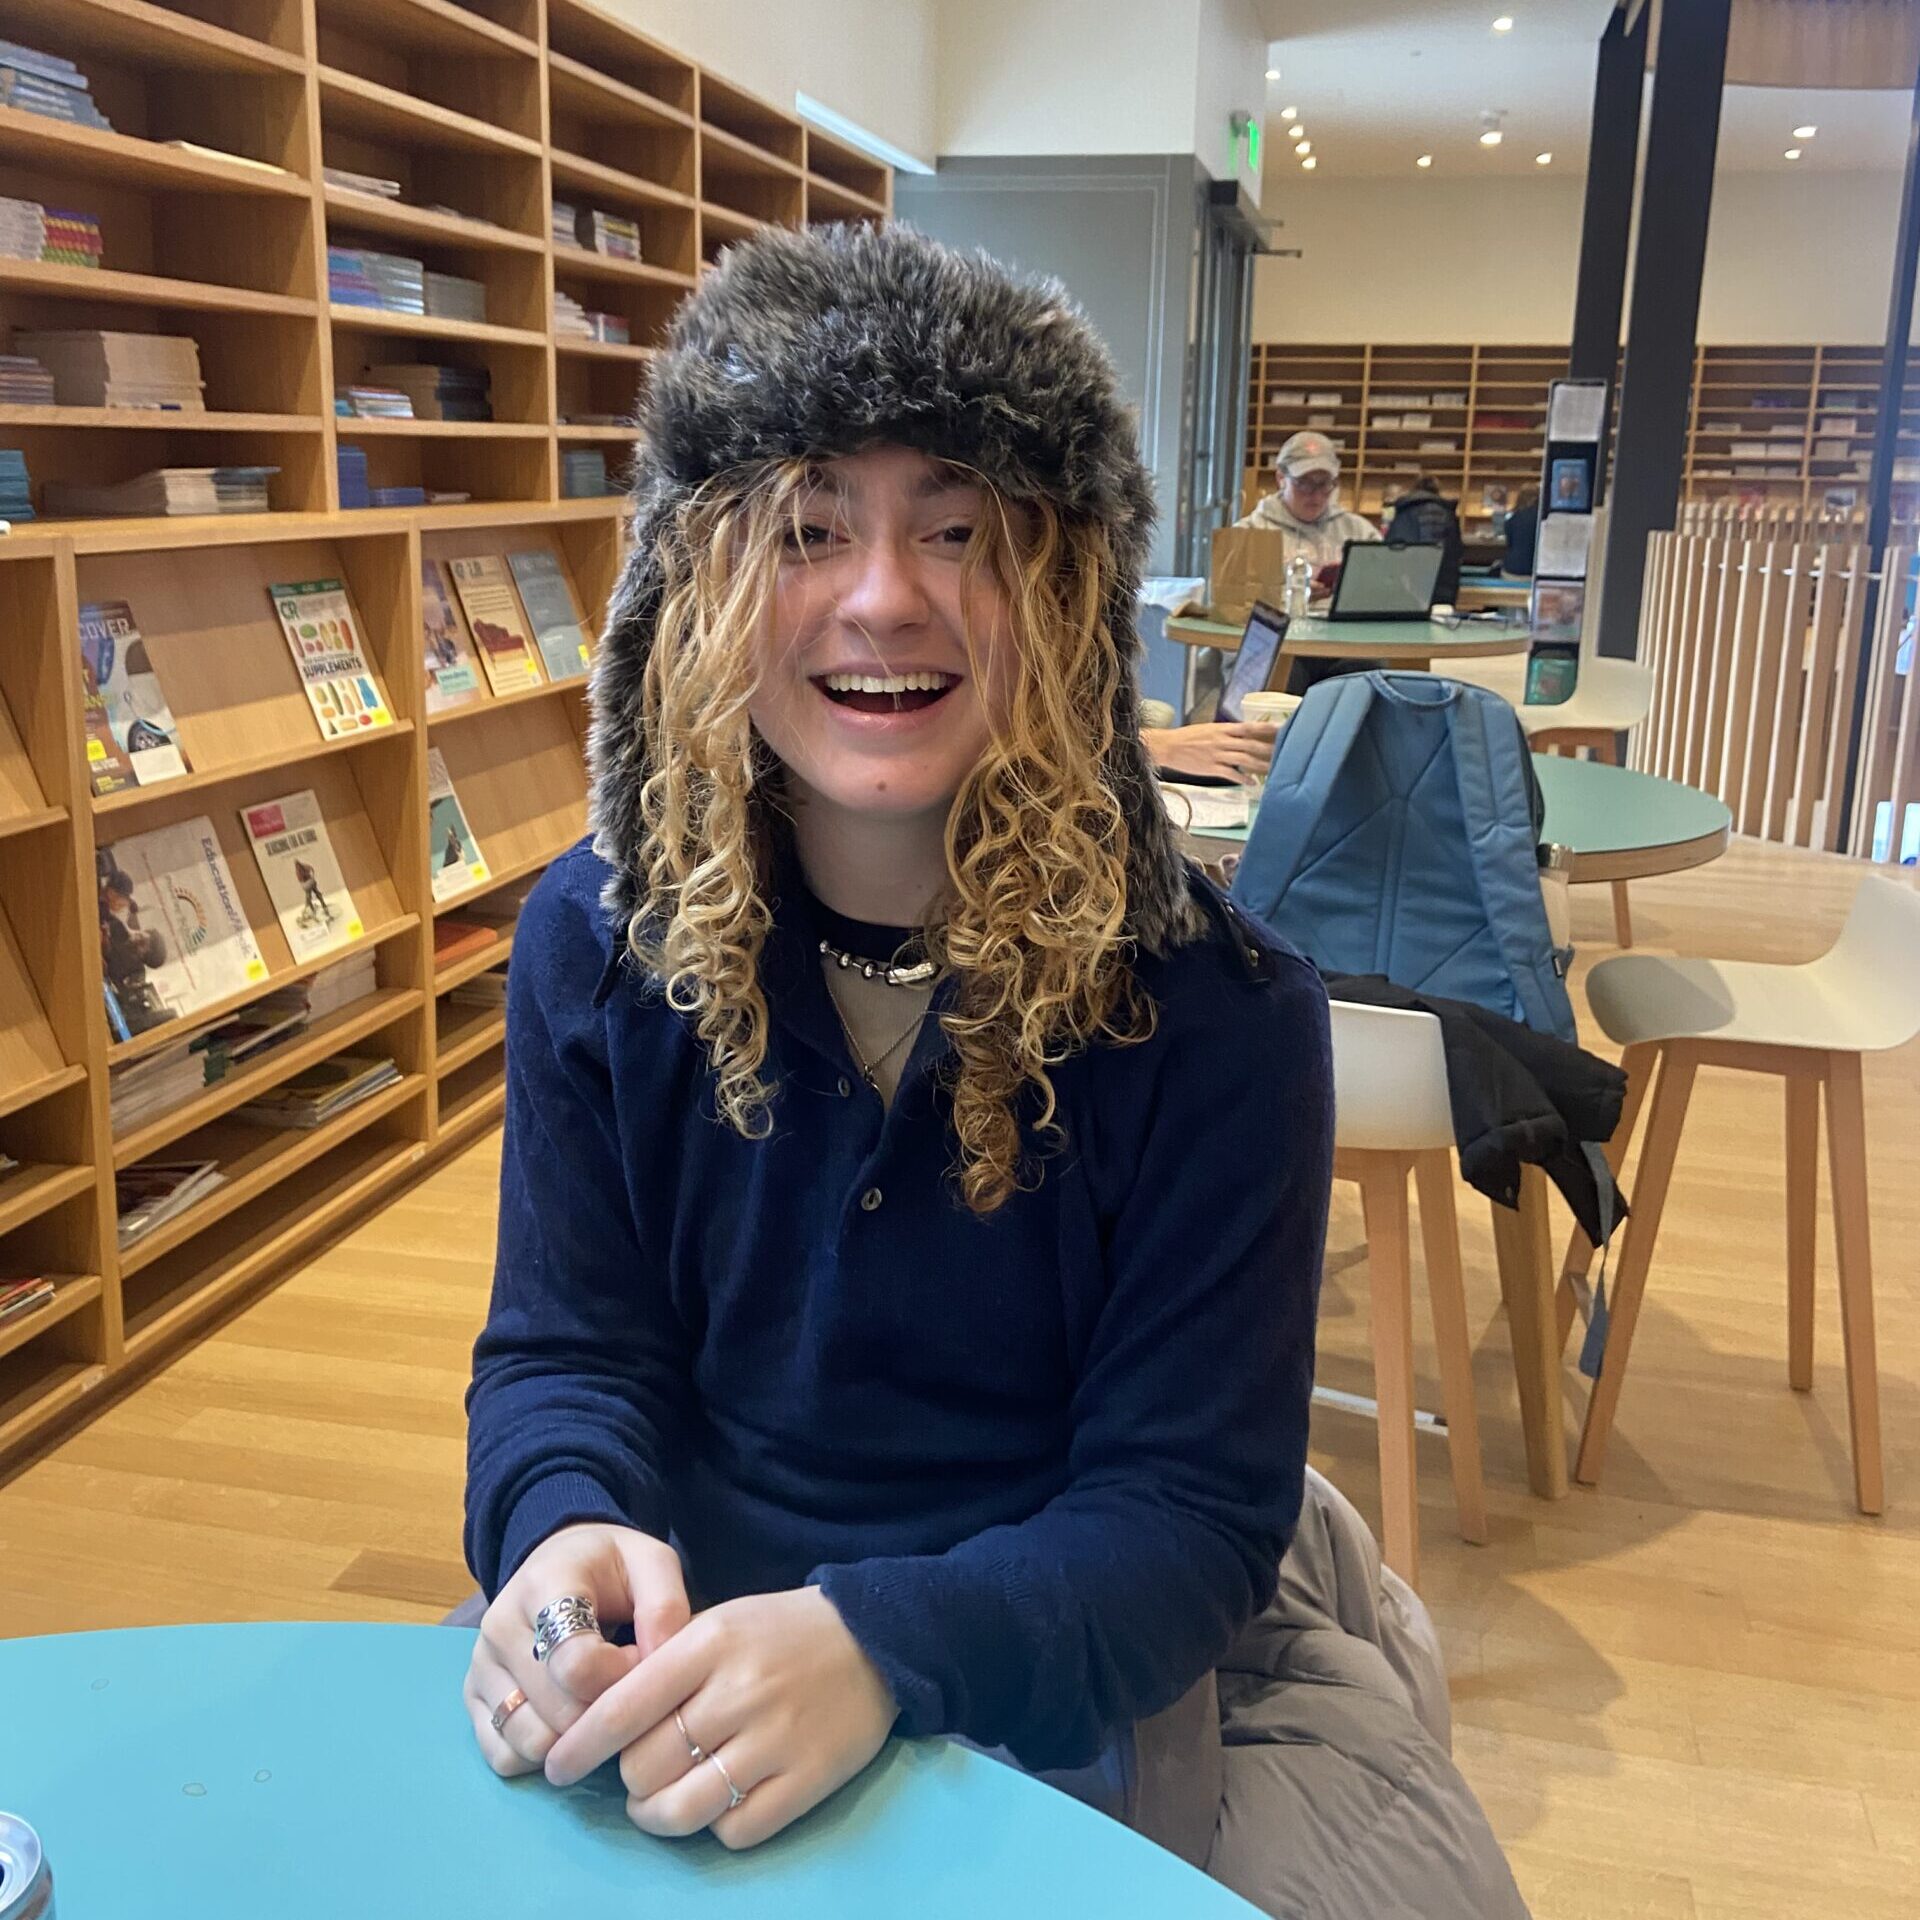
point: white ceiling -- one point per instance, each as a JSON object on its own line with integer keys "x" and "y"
{"x": 1378, "y": 82}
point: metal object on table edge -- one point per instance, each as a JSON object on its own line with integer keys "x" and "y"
{"x": 26, "y": 1881}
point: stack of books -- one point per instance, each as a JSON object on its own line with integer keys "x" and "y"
{"x": 583, "y": 473}
{"x": 24, "y": 382}
{"x": 371, "y": 403}
{"x": 398, "y": 497}
{"x": 29, "y": 231}
{"x": 612, "y": 234}
{"x": 321, "y": 1092}
{"x": 361, "y": 182}
{"x": 16, "y": 497}
{"x": 362, "y": 277}
{"x": 95, "y": 367}
{"x": 152, "y": 1193}
{"x": 566, "y": 224}
{"x": 450, "y": 297}
{"x": 438, "y": 393}
{"x": 576, "y": 322}
{"x": 354, "y": 491}
{"x": 486, "y": 991}
{"x": 46, "y": 84}
{"x": 21, "y": 1297}
{"x": 167, "y": 491}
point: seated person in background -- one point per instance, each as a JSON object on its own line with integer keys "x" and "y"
{"x": 1308, "y": 471}
{"x": 1235, "y": 750}
{"x": 1523, "y": 530}
{"x": 1423, "y": 517}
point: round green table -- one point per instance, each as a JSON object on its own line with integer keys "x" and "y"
{"x": 309, "y": 1772}
{"x": 1410, "y": 644}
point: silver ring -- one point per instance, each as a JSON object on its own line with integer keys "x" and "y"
{"x": 735, "y": 1796}
{"x": 693, "y": 1745}
{"x": 559, "y": 1620}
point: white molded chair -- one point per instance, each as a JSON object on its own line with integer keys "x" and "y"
{"x": 1392, "y": 1118}
{"x": 1810, "y": 1024}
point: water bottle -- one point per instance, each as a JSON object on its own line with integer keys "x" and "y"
{"x": 1299, "y": 587}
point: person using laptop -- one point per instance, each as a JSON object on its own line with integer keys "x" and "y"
{"x": 1304, "y": 509}
{"x": 1227, "y": 752}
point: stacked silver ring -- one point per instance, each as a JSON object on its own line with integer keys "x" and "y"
{"x": 560, "y": 1620}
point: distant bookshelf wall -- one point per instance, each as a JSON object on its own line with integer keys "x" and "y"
{"x": 266, "y": 240}
{"x": 1770, "y": 426}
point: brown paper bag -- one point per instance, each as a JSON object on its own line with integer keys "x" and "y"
{"x": 1249, "y": 564}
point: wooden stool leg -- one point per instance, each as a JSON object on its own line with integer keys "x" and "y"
{"x": 1803, "y": 1203}
{"x": 1440, "y": 1234}
{"x": 1622, "y": 916}
{"x": 1525, "y": 1254}
{"x": 1383, "y": 1192}
{"x": 1638, "y": 1064}
{"x": 1847, "y": 1173}
{"x": 1664, "y": 1122}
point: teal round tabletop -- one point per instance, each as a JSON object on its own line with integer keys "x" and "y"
{"x": 1398, "y": 642}
{"x": 302, "y": 1772}
{"x": 1613, "y": 823}
{"x": 1616, "y": 824}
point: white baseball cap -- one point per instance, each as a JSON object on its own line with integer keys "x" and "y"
{"x": 1308, "y": 453}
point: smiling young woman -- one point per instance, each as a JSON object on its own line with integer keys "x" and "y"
{"x": 872, "y": 1334}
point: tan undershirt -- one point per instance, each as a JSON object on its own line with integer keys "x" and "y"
{"x": 877, "y": 1016}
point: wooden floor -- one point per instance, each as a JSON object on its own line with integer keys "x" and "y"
{"x": 1693, "y": 1693}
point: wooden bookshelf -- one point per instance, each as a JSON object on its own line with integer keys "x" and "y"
{"x": 1788, "y": 427}
{"x": 484, "y": 111}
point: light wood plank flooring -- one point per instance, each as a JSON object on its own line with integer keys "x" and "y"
{"x": 1695, "y": 1693}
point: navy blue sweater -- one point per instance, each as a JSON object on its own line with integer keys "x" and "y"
{"x": 1043, "y": 1463}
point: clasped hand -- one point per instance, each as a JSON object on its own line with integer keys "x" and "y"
{"x": 773, "y": 1687}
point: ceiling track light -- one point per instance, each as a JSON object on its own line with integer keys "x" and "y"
{"x": 1805, "y": 133}
{"x": 1309, "y": 163}
{"x": 1543, "y": 159}
{"x": 1490, "y": 133}
{"x": 1793, "y": 153}
{"x": 1289, "y": 113}
{"x": 1492, "y": 137}
{"x": 1425, "y": 160}
{"x": 1304, "y": 148}
{"x": 1273, "y": 73}
{"x": 1504, "y": 24}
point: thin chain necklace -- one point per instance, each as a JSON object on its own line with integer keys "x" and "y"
{"x": 870, "y": 1069}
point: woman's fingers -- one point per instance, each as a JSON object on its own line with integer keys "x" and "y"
{"x": 523, "y": 1738}
{"x": 633, "y": 1706}
{"x": 579, "y": 1670}
{"x": 703, "y": 1793}
{"x": 654, "y": 1761}
{"x": 775, "y": 1803}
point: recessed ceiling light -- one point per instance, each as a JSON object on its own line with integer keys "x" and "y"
{"x": 1543, "y": 159}
{"x": 1273, "y": 73}
{"x": 1504, "y": 24}
{"x": 1425, "y": 160}
{"x": 1309, "y": 163}
{"x": 1491, "y": 138}
{"x": 1793, "y": 153}
{"x": 1298, "y": 131}
{"x": 1805, "y": 133}
{"x": 1304, "y": 148}
{"x": 1289, "y": 113}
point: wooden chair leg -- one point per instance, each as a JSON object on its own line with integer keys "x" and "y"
{"x": 1440, "y": 1235}
{"x": 1524, "y": 1251}
{"x": 1665, "y": 1120}
{"x": 1383, "y": 1193}
{"x": 1803, "y": 1204}
{"x": 1622, "y": 916}
{"x": 1638, "y": 1064}
{"x": 1847, "y": 1175}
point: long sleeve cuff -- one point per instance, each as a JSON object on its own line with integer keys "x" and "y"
{"x": 565, "y": 1500}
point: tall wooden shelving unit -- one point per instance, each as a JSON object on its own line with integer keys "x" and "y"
{"x": 484, "y": 110}
{"x": 1779, "y": 426}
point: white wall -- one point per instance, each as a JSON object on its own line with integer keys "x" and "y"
{"x": 869, "y": 59}
{"x": 1067, "y": 76}
{"x": 1788, "y": 261}
{"x": 1231, "y": 79}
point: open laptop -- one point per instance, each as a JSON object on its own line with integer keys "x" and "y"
{"x": 1387, "y": 580}
{"x": 1257, "y": 663}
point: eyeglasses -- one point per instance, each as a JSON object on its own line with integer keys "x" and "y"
{"x": 1311, "y": 482}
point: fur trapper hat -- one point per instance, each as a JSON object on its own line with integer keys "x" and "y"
{"x": 820, "y": 343}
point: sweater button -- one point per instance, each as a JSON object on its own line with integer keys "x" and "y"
{"x": 846, "y": 1088}
{"x": 870, "y": 1200}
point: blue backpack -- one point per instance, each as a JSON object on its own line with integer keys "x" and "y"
{"x": 1399, "y": 835}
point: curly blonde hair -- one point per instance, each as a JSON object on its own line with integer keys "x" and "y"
{"x": 1033, "y": 925}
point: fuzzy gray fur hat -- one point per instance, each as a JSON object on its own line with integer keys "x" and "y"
{"x": 819, "y": 343}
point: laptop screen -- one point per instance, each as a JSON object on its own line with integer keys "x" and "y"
{"x": 1253, "y": 664}
{"x": 1386, "y": 580}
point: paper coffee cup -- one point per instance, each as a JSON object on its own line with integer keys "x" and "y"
{"x": 1157, "y": 713}
{"x": 1268, "y": 709}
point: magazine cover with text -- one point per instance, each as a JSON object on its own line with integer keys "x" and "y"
{"x": 296, "y": 860}
{"x": 451, "y": 679}
{"x": 549, "y": 603}
{"x": 173, "y": 937}
{"x": 495, "y": 619}
{"x": 135, "y": 708}
{"x": 317, "y": 618}
{"x": 453, "y": 854}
